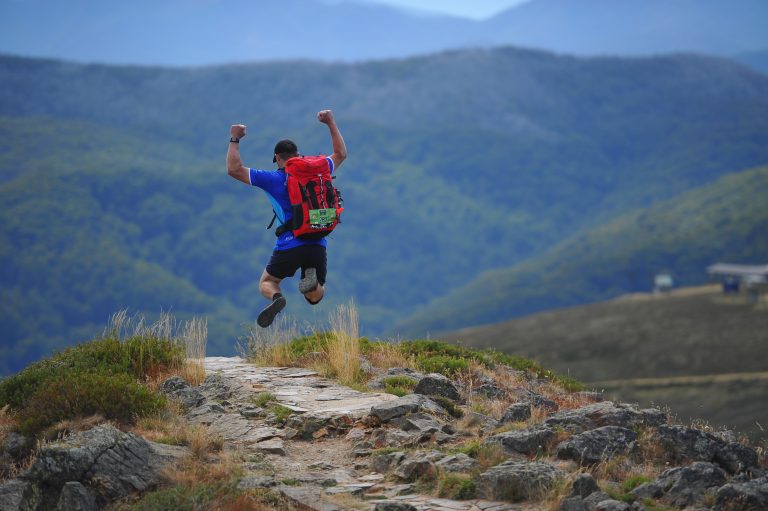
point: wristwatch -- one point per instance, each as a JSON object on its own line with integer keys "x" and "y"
{"x": 234, "y": 140}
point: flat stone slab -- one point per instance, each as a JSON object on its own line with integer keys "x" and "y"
{"x": 299, "y": 389}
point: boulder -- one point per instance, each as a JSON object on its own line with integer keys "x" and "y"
{"x": 404, "y": 405}
{"x": 597, "y": 445}
{"x": 76, "y": 497}
{"x": 736, "y": 458}
{"x": 517, "y": 480}
{"x": 648, "y": 491}
{"x": 595, "y": 498}
{"x": 572, "y": 504}
{"x": 604, "y": 413}
{"x": 682, "y": 443}
{"x": 415, "y": 467}
{"x": 436, "y": 384}
{"x": 484, "y": 422}
{"x": 489, "y": 389}
{"x": 535, "y": 399}
{"x": 383, "y": 437}
{"x": 686, "y": 486}
{"x": 177, "y": 388}
{"x": 110, "y": 463}
{"x": 612, "y": 505}
{"x": 383, "y": 463}
{"x": 457, "y": 463}
{"x": 16, "y": 445}
{"x": 744, "y": 496}
{"x": 584, "y": 485}
{"x": 18, "y": 494}
{"x": 518, "y": 412}
{"x": 526, "y": 441}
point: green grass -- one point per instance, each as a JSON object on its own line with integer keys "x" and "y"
{"x": 281, "y": 412}
{"x": 457, "y": 487}
{"x": 399, "y": 385}
{"x": 263, "y": 398}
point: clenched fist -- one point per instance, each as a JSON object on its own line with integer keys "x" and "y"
{"x": 237, "y": 131}
{"x": 325, "y": 116}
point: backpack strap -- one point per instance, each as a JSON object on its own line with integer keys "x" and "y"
{"x": 272, "y": 222}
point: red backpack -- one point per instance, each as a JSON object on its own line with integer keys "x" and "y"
{"x": 316, "y": 205}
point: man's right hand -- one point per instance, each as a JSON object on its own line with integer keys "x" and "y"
{"x": 237, "y": 131}
{"x": 325, "y": 116}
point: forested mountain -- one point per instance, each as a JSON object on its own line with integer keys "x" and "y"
{"x": 114, "y": 192}
{"x": 724, "y": 221}
{"x": 197, "y": 32}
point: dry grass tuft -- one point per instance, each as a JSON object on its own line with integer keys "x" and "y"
{"x": 169, "y": 427}
{"x": 7, "y": 422}
{"x": 388, "y": 354}
{"x": 269, "y": 346}
{"x": 343, "y": 349}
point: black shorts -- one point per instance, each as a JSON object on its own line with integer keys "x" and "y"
{"x": 284, "y": 263}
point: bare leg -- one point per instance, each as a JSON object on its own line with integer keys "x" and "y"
{"x": 269, "y": 285}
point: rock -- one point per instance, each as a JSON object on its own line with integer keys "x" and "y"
{"x": 417, "y": 466}
{"x": 76, "y": 497}
{"x": 271, "y": 446}
{"x": 744, "y": 496}
{"x": 404, "y": 405}
{"x": 307, "y": 424}
{"x": 111, "y": 463}
{"x": 457, "y": 463}
{"x": 597, "y": 445}
{"x": 355, "y": 434}
{"x": 252, "y": 411}
{"x": 436, "y": 384}
{"x": 17, "y": 494}
{"x": 306, "y": 499}
{"x": 517, "y": 480}
{"x": 394, "y": 506}
{"x": 253, "y": 482}
{"x": 584, "y": 485}
{"x": 526, "y": 441}
{"x": 489, "y": 390}
{"x": 383, "y": 437}
{"x": 685, "y": 486}
{"x": 601, "y": 414}
{"x": 595, "y": 498}
{"x": 484, "y": 422}
{"x": 572, "y": 504}
{"x": 16, "y": 445}
{"x": 648, "y": 491}
{"x": 518, "y": 412}
{"x": 177, "y": 388}
{"x": 611, "y": 505}
{"x": 682, "y": 443}
{"x": 736, "y": 458}
{"x": 383, "y": 463}
{"x": 535, "y": 399}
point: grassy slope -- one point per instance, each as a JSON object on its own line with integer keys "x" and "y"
{"x": 727, "y": 220}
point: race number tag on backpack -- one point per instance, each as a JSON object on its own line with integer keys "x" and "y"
{"x": 315, "y": 202}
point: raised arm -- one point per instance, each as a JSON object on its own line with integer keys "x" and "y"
{"x": 235, "y": 167}
{"x": 339, "y": 148}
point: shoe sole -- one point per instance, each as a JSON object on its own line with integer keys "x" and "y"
{"x": 309, "y": 282}
{"x": 267, "y": 316}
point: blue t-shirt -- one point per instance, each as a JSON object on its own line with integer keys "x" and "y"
{"x": 273, "y": 182}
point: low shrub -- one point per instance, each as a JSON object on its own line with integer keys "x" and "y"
{"x": 281, "y": 412}
{"x": 449, "y": 406}
{"x": 399, "y": 385}
{"x": 449, "y": 366}
{"x": 139, "y": 357}
{"x": 113, "y": 396}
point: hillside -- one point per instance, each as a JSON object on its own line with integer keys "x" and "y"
{"x": 726, "y": 220}
{"x": 114, "y": 192}
{"x": 691, "y": 350}
{"x": 181, "y": 33}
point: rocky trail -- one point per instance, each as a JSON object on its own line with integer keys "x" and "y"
{"x": 321, "y": 446}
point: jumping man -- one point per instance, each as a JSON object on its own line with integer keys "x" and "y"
{"x": 290, "y": 253}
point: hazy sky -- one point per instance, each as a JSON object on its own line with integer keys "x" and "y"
{"x": 477, "y": 9}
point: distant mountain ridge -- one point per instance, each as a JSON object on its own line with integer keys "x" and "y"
{"x": 202, "y": 32}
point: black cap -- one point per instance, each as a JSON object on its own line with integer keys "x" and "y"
{"x": 285, "y": 147}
